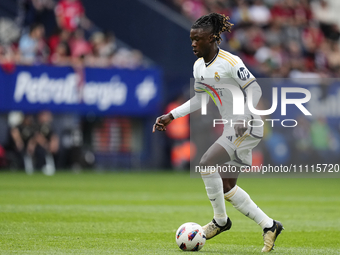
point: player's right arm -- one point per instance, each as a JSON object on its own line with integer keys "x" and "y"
{"x": 188, "y": 107}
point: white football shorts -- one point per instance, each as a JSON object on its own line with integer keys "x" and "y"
{"x": 240, "y": 148}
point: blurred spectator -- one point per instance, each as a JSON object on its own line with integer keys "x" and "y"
{"x": 9, "y": 31}
{"x": 312, "y": 37}
{"x": 136, "y": 60}
{"x": 125, "y": 58}
{"x": 333, "y": 33}
{"x": 110, "y": 44}
{"x": 21, "y": 143}
{"x": 61, "y": 56}
{"x": 274, "y": 35}
{"x": 219, "y": 6}
{"x": 259, "y": 13}
{"x": 253, "y": 40}
{"x": 303, "y": 13}
{"x": 193, "y": 8}
{"x": 69, "y": 46}
{"x": 8, "y": 57}
{"x": 241, "y": 14}
{"x": 291, "y": 33}
{"x": 47, "y": 143}
{"x": 278, "y": 38}
{"x": 62, "y": 35}
{"x": 333, "y": 57}
{"x": 282, "y": 12}
{"x": 34, "y": 11}
{"x": 294, "y": 53}
{"x": 32, "y": 48}
{"x": 323, "y": 14}
{"x": 70, "y": 15}
{"x": 100, "y": 56}
{"x": 270, "y": 56}
{"x": 321, "y": 57}
{"x": 79, "y": 45}
{"x": 31, "y": 145}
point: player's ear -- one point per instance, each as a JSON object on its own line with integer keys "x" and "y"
{"x": 211, "y": 38}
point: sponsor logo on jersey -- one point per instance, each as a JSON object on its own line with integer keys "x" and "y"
{"x": 212, "y": 89}
{"x": 217, "y": 77}
{"x": 243, "y": 74}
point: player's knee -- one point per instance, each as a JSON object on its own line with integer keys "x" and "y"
{"x": 205, "y": 161}
{"x": 228, "y": 185}
{"x": 206, "y": 169}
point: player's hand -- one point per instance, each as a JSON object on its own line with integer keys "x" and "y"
{"x": 240, "y": 129}
{"x": 162, "y": 122}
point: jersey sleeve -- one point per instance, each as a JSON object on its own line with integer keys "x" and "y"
{"x": 188, "y": 107}
{"x": 197, "y": 86}
{"x": 195, "y": 102}
{"x": 240, "y": 73}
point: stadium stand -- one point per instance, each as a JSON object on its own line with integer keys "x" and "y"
{"x": 278, "y": 38}
{"x": 293, "y": 41}
{"x": 61, "y": 41}
{"x": 58, "y": 33}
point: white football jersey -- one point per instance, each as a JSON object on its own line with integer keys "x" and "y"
{"x": 228, "y": 69}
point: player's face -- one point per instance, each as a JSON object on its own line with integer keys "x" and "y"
{"x": 201, "y": 41}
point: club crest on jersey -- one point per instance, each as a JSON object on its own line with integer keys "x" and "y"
{"x": 243, "y": 74}
{"x": 217, "y": 77}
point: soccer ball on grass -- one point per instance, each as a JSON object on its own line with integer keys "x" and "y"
{"x": 190, "y": 237}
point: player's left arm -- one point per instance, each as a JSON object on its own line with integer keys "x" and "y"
{"x": 250, "y": 87}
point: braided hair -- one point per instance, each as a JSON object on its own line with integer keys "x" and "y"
{"x": 218, "y": 22}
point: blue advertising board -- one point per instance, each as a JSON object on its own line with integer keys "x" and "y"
{"x": 100, "y": 91}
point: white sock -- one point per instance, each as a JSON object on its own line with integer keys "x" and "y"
{"x": 214, "y": 186}
{"x": 243, "y": 203}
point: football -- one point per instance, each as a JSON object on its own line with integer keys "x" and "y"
{"x": 190, "y": 237}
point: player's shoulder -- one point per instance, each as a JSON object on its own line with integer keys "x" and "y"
{"x": 198, "y": 62}
{"x": 230, "y": 58}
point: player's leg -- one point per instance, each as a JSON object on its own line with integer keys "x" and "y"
{"x": 244, "y": 204}
{"x": 214, "y": 156}
{"x": 236, "y": 195}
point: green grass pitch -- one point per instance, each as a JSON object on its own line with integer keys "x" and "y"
{"x": 138, "y": 213}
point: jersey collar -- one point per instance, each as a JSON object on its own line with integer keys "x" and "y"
{"x": 211, "y": 61}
